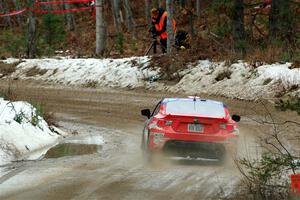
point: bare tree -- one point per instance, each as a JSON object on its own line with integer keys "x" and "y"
{"x": 100, "y": 28}
{"x": 198, "y": 8}
{"x": 69, "y": 17}
{"x": 31, "y": 40}
{"x": 160, "y": 3}
{"x": 280, "y": 22}
{"x": 129, "y": 16}
{"x": 115, "y": 4}
{"x": 19, "y": 18}
{"x": 238, "y": 20}
{"x": 182, "y": 3}
{"x": 191, "y": 17}
{"x": 4, "y": 9}
{"x": 170, "y": 30}
{"x": 147, "y": 10}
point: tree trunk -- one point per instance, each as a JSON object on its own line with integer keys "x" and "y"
{"x": 115, "y": 4}
{"x": 280, "y": 19}
{"x": 191, "y": 18}
{"x": 182, "y": 3}
{"x": 147, "y": 11}
{"x": 69, "y": 17}
{"x": 4, "y": 9}
{"x": 198, "y": 7}
{"x": 238, "y": 20}
{"x": 100, "y": 28}
{"x": 19, "y": 17}
{"x": 31, "y": 40}
{"x": 170, "y": 30}
{"x": 159, "y": 3}
{"x": 155, "y": 3}
{"x": 46, "y": 7}
{"x": 129, "y": 16}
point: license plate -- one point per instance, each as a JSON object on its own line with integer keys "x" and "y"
{"x": 195, "y": 128}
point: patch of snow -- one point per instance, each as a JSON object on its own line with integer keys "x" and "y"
{"x": 11, "y": 60}
{"x": 23, "y": 134}
{"x": 239, "y": 80}
{"x": 242, "y": 81}
{"x": 122, "y": 73}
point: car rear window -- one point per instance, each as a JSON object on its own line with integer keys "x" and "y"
{"x": 198, "y": 107}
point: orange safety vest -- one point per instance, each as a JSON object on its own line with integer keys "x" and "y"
{"x": 160, "y": 25}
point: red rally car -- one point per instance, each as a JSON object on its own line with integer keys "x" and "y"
{"x": 189, "y": 128}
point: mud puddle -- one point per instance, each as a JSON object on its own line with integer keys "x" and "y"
{"x": 72, "y": 149}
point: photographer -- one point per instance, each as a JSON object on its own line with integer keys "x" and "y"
{"x": 159, "y": 28}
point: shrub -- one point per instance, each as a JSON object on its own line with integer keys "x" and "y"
{"x": 221, "y": 30}
{"x": 37, "y": 111}
{"x": 40, "y": 111}
{"x": 120, "y": 42}
{"x": 52, "y": 34}
{"x": 289, "y": 104}
{"x": 240, "y": 46}
{"x": 19, "y": 117}
{"x": 53, "y": 29}
{"x": 264, "y": 176}
{"x": 12, "y": 43}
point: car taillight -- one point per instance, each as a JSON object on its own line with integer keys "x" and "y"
{"x": 160, "y": 124}
{"x": 228, "y": 127}
{"x": 163, "y": 123}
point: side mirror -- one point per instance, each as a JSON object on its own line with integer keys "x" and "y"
{"x": 146, "y": 112}
{"x": 236, "y": 118}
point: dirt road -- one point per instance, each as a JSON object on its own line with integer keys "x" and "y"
{"x": 117, "y": 171}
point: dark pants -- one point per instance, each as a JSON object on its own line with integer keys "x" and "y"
{"x": 163, "y": 44}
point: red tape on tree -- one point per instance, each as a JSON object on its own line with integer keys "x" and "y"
{"x": 62, "y": 2}
{"x": 18, "y": 12}
{"x": 52, "y": 11}
{"x": 61, "y": 11}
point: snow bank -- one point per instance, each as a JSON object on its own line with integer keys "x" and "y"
{"x": 23, "y": 134}
{"x": 238, "y": 80}
{"x": 125, "y": 72}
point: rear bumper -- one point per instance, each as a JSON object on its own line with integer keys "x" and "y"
{"x": 194, "y": 149}
{"x": 159, "y": 140}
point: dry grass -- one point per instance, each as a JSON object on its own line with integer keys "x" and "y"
{"x": 9, "y": 93}
{"x": 50, "y": 119}
{"x": 224, "y": 74}
{"x": 35, "y": 71}
{"x": 7, "y": 69}
{"x": 271, "y": 54}
{"x": 90, "y": 84}
{"x": 13, "y": 93}
{"x": 171, "y": 65}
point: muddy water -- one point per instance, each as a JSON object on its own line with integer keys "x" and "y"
{"x": 118, "y": 171}
{"x": 69, "y": 149}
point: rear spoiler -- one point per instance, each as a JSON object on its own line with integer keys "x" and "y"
{"x": 200, "y": 116}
